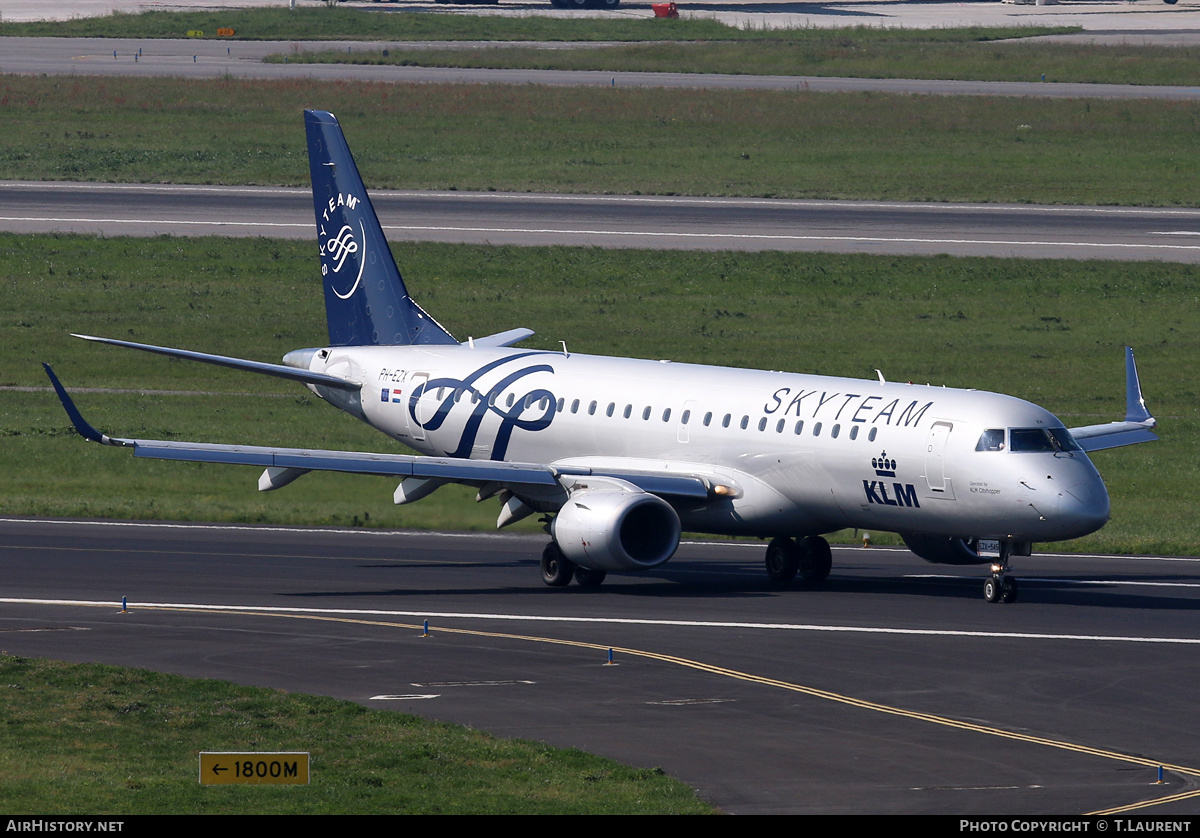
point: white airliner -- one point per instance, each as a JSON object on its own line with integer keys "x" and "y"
{"x": 621, "y": 455}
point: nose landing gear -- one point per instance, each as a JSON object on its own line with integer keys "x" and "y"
{"x": 1001, "y": 587}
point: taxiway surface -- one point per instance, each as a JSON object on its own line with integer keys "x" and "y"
{"x": 1171, "y": 235}
{"x": 887, "y": 690}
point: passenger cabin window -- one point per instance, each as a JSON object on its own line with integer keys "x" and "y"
{"x": 708, "y": 419}
{"x": 611, "y": 407}
{"x": 991, "y": 440}
{"x": 667, "y": 416}
{"x": 592, "y": 408}
{"x": 628, "y": 410}
{"x": 646, "y": 413}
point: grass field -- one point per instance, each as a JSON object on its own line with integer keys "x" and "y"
{"x": 85, "y": 739}
{"x": 852, "y": 53}
{"x": 531, "y": 138}
{"x": 1047, "y": 331}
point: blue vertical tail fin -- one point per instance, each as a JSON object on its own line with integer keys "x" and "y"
{"x": 366, "y": 302}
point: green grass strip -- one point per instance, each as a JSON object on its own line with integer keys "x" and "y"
{"x": 852, "y": 54}
{"x": 337, "y": 23}
{"x": 91, "y": 739}
{"x": 651, "y": 141}
{"x": 1048, "y": 331}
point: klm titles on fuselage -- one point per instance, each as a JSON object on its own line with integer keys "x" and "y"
{"x": 869, "y": 409}
{"x": 903, "y": 494}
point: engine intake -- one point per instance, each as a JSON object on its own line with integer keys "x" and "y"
{"x": 616, "y": 530}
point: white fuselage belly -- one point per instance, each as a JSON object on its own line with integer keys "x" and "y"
{"x": 808, "y": 453}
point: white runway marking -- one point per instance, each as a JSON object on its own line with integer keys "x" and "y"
{"x": 527, "y": 618}
{"x": 630, "y": 234}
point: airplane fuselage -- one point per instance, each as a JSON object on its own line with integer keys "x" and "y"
{"x": 807, "y": 454}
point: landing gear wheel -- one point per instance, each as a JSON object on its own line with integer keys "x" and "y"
{"x": 1001, "y": 587}
{"x": 557, "y": 569}
{"x": 783, "y": 559}
{"x": 816, "y": 560}
{"x": 992, "y": 590}
{"x": 586, "y": 577}
{"x": 1008, "y": 589}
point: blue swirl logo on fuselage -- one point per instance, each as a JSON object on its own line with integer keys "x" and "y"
{"x": 484, "y": 402}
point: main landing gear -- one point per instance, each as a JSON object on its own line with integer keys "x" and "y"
{"x": 558, "y": 570}
{"x": 808, "y": 560}
{"x": 1001, "y": 587}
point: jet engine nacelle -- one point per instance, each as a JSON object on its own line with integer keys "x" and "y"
{"x": 939, "y": 549}
{"x": 605, "y": 530}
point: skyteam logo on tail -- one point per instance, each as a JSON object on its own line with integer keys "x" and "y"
{"x": 345, "y": 245}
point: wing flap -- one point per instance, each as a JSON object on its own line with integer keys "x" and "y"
{"x": 351, "y": 462}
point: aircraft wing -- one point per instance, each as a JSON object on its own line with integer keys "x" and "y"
{"x": 1136, "y": 426}
{"x": 285, "y": 464}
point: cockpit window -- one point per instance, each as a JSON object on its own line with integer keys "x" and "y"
{"x": 991, "y": 440}
{"x": 1042, "y": 439}
{"x": 1065, "y": 441}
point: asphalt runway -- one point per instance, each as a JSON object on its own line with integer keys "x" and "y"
{"x": 892, "y": 689}
{"x": 1171, "y": 235}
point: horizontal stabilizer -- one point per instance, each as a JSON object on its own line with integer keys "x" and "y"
{"x": 508, "y": 338}
{"x": 278, "y": 370}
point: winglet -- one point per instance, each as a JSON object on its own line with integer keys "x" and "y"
{"x": 82, "y": 427}
{"x": 1137, "y": 423}
{"x": 1135, "y": 403}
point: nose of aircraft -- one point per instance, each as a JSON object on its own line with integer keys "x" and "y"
{"x": 1083, "y": 504}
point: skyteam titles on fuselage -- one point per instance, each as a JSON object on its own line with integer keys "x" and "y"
{"x": 520, "y": 390}
{"x": 909, "y": 415}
